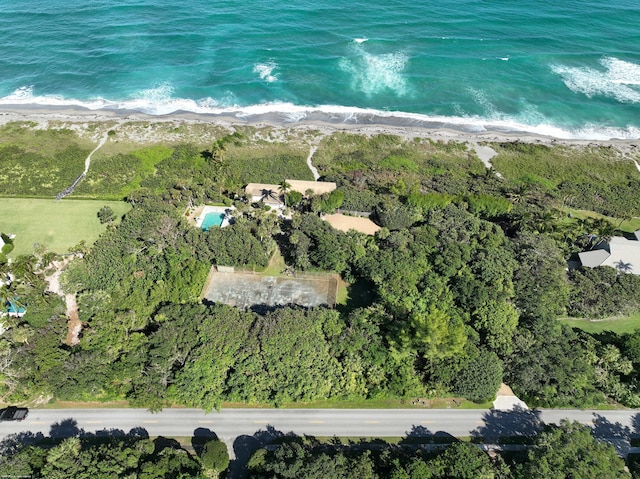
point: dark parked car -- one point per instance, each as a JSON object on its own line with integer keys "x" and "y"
{"x": 13, "y": 413}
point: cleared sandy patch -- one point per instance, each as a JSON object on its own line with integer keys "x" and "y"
{"x": 506, "y": 400}
{"x": 345, "y": 223}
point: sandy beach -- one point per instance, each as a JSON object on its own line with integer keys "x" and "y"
{"x": 138, "y": 127}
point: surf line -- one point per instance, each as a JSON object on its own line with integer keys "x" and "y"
{"x": 87, "y": 163}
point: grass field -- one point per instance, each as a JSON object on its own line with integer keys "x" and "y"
{"x": 622, "y": 325}
{"x": 628, "y": 226}
{"x": 58, "y": 225}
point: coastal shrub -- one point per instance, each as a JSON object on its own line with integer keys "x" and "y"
{"x": 39, "y": 174}
{"x": 398, "y": 162}
{"x": 487, "y": 206}
{"x": 602, "y": 292}
{"x": 429, "y": 201}
{"x": 594, "y": 178}
{"x": 383, "y": 161}
{"x": 394, "y": 215}
{"x": 266, "y": 164}
{"x": 327, "y": 202}
{"x": 358, "y": 199}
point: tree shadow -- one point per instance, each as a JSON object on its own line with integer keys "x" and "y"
{"x": 518, "y": 422}
{"x": 138, "y": 433}
{"x": 107, "y": 433}
{"x": 613, "y": 433}
{"x": 65, "y": 428}
{"x": 419, "y": 435}
{"x": 244, "y": 446}
{"x": 635, "y": 425}
{"x": 10, "y": 444}
{"x": 200, "y": 437}
{"x": 62, "y": 430}
{"x": 419, "y": 431}
{"x": 161, "y": 443}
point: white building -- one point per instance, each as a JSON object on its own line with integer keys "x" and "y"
{"x": 620, "y": 253}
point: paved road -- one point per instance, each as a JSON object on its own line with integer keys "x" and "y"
{"x": 245, "y": 430}
{"x": 231, "y": 423}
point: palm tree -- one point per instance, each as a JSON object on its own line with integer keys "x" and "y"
{"x": 285, "y": 187}
{"x": 603, "y": 230}
{"x": 218, "y": 148}
{"x": 24, "y": 268}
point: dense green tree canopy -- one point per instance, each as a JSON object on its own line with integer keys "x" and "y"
{"x": 569, "y": 450}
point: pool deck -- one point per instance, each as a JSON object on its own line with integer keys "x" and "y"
{"x": 201, "y": 212}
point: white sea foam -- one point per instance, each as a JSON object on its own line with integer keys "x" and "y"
{"x": 22, "y": 93}
{"x": 481, "y": 98}
{"x": 616, "y": 81}
{"x": 360, "y": 40}
{"x": 375, "y": 74}
{"x": 265, "y": 71}
{"x": 157, "y": 101}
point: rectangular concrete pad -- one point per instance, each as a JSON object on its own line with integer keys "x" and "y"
{"x": 245, "y": 290}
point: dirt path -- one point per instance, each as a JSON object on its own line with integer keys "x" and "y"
{"x": 73, "y": 320}
{"x": 87, "y": 163}
{"x": 637, "y": 164}
{"x": 313, "y": 169}
{"x": 485, "y": 153}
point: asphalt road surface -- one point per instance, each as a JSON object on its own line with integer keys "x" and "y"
{"x": 231, "y": 423}
{"x": 246, "y": 430}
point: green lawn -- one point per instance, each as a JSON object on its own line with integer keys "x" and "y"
{"x": 628, "y": 226}
{"x": 622, "y": 325}
{"x": 58, "y": 225}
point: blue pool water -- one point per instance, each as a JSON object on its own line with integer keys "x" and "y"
{"x": 212, "y": 219}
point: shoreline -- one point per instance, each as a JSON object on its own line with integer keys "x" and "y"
{"x": 404, "y": 127}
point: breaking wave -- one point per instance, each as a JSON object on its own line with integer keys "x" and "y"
{"x": 618, "y": 80}
{"x": 159, "y": 101}
{"x": 265, "y": 71}
{"x": 375, "y": 74}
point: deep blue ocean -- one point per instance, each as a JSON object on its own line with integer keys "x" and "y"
{"x": 565, "y": 68}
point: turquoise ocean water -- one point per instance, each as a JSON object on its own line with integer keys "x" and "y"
{"x": 570, "y": 69}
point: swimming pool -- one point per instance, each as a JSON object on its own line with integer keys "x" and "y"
{"x": 212, "y": 219}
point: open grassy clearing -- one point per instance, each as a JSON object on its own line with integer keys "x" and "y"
{"x": 621, "y": 325}
{"x": 57, "y": 225}
{"x": 628, "y": 225}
